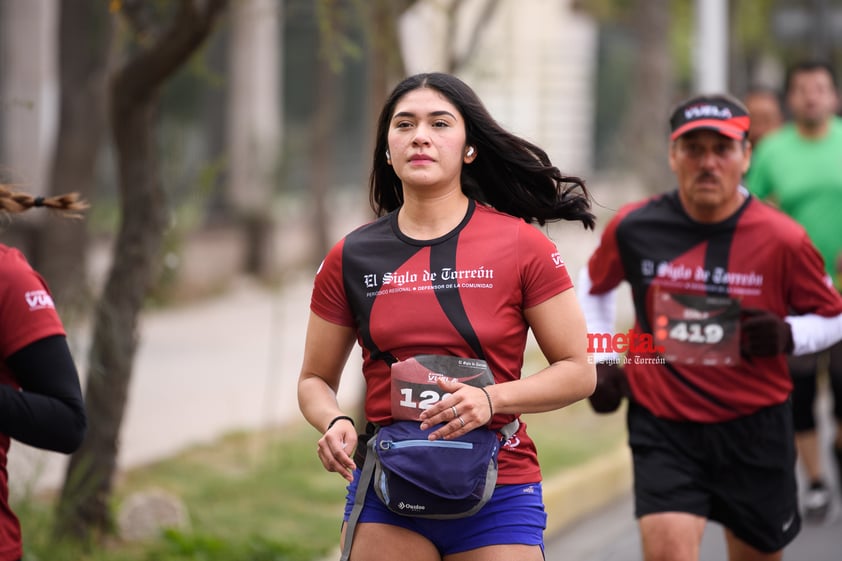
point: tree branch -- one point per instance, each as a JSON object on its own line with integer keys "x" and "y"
{"x": 144, "y": 73}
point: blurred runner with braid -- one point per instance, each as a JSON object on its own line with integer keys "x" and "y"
{"x": 40, "y": 397}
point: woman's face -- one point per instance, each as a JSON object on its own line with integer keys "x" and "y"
{"x": 426, "y": 140}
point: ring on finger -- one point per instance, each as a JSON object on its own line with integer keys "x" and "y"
{"x": 461, "y": 420}
{"x": 455, "y": 414}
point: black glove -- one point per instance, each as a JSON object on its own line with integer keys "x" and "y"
{"x": 762, "y": 333}
{"x": 611, "y": 387}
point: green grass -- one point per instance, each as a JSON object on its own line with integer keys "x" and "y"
{"x": 571, "y": 436}
{"x": 265, "y": 496}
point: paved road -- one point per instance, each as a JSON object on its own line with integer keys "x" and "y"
{"x": 611, "y": 533}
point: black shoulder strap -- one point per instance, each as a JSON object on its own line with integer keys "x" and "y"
{"x": 443, "y": 257}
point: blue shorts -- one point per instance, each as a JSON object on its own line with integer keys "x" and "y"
{"x": 514, "y": 515}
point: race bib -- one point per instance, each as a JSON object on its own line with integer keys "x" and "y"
{"x": 414, "y": 386}
{"x": 698, "y": 329}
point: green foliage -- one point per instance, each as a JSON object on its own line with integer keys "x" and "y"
{"x": 570, "y": 436}
{"x": 185, "y": 95}
{"x": 754, "y": 24}
{"x": 751, "y": 27}
{"x": 606, "y": 10}
{"x": 337, "y": 22}
{"x": 681, "y": 39}
{"x": 177, "y": 546}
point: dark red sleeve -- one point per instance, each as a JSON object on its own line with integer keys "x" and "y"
{"x": 605, "y": 267}
{"x": 329, "y": 300}
{"x": 27, "y": 311}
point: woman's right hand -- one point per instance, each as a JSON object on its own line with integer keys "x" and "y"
{"x": 336, "y": 448}
{"x": 326, "y": 350}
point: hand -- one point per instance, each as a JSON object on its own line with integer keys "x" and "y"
{"x": 763, "y": 333}
{"x": 611, "y": 387}
{"x": 465, "y": 409}
{"x": 336, "y": 446}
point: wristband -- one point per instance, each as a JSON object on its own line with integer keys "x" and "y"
{"x": 339, "y": 418}
{"x": 490, "y": 407}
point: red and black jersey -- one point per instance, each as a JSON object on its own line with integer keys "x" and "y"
{"x": 461, "y": 295}
{"x": 27, "y": 314}
{"x": 758, "y": 257}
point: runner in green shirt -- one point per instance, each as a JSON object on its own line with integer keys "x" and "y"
{"x": 799, "y": 168}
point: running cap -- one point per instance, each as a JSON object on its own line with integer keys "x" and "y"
{"x": 721, "y": 113}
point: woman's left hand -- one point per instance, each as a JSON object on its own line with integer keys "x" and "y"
{"x": 465, "y": 409}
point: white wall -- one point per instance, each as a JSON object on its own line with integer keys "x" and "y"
{"x": 534, "y": 67}
{"x": 28, "y": 90}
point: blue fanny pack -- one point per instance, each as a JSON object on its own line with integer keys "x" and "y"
{"x": 422, "y": 478}
{"x": 414, "y": 476}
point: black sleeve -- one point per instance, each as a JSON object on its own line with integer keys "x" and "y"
{"x": 48, "y": 412}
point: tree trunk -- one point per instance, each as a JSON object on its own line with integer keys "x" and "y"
{"x": 83, "y": 506}
{"x": 322, "y": 153}
{"x": 385, "y": 65}
{"x": 644, "y": 137}
{"x": 85, "y": 33}
{"x": 254, "y": 125}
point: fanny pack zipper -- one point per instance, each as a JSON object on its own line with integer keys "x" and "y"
{"x": 387, "y": 444}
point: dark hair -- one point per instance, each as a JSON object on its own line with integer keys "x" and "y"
{"x": 510, "y": 174}
{"x": 809, "y": 66}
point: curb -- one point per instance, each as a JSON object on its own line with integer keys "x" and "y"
{"x": 575, "y": 493}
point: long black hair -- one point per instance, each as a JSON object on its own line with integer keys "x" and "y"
{"x": 510, "y": 173}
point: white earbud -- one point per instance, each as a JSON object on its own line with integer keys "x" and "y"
{"x": 388, "y": 157}
{"x": 470, "y": 151}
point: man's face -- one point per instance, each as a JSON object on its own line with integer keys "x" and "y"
{"x": 709, "y": 168}
{"x": 766, "y": 115}
{"x": 812, "y": 99}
